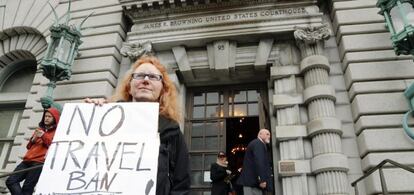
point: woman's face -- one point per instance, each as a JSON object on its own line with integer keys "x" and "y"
{"x": 146, "y": 87}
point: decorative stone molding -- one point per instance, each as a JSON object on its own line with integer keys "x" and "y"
{"x": 312, "y": 34}
{"x": 314, "y": 61}
{"x": 324, "y": 125}
{"x": 310, "y": 40}
{"x": 329, "y": 162}
{"x": 318, "y": 92}
{"x": 136, "y": 10}
{"x": 136, "y": 50}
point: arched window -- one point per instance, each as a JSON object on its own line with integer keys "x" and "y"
{"x": 15, "y": 82}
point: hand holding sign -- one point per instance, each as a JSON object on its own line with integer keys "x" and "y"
{"x": 38, "y": 133}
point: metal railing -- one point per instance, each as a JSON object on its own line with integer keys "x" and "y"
{"x": 22, "y": 170}
{"x": 381, "y": 174}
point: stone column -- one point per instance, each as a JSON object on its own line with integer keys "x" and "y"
{"x": 328, "y": 163}
{"x": 290, "y": 133}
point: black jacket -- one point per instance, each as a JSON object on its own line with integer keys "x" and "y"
{"x": 173, "y": 161}
{"x": 217, "y": 175}
{"x": 256, "y": 166}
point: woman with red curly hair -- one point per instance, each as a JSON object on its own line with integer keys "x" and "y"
{"x": 147, "y": 81}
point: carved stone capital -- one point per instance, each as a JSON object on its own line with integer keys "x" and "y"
{"x": 136, "y": 49}
{"x": 312, "y": 34}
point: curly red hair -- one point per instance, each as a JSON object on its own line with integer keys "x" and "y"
{"x": 168, "y": 95}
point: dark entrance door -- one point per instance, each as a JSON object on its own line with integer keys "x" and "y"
{"x": 221, "y": 119}
{"x": 240, "y": 131}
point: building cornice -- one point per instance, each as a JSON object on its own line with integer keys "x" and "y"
{"x": 137, "y": 10}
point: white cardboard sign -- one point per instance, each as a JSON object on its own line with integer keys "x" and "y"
{"x": 109, "y": 149}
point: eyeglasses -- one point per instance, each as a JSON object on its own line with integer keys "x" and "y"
{"x": 151, "y": 77}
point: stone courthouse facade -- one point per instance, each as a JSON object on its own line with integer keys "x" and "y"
{"x": 321, "y": 75}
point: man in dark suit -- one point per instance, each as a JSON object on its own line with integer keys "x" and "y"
{"x": 256, "y": 175}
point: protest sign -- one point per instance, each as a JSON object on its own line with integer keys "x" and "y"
{"x": 109, "y": 149}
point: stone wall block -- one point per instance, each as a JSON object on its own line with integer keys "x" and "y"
{"x": 360, "y": 185}
{"x": 96, "y": 64}
{"x": 263, "y": 52}
{"x": 381, "y": 103}
{"x": 16, "y": 154}
{"x": 373, "y": 159}
{"x": 292, "y": 149}
{"x": 338, "y": 82}
{"x": 91, "y": 4}
{"x": 277, "y": 72}
{"x": 83, "y": 90}
{"x": 399, "y": 181}
{"x": 287, "y": 100}
{"x": 364, "y": 42}
{"x": 354, "y": 166}
{"x": 32, "y": 99}
{"x": 97, "y": 21}
{"x": 377, "y": 87}
{"x": 39, "y": 78}
{"x": 367, "y": 28}
{"x": 343, "y": 113}
{"x": 295, "y": 185}
{"x": 376, "y": 71}
{"x": 367, "y": 56}
{"x": 350, "y": 147}
{"x": 23, "y": 126}
{"x": 380, "y": 121}
{"x": 384, "y": 140}
{"x": 290, "y": 132}
{"x": 101, "y": 41}
{"x": 370, "y": 16}
{"x": 33, "y": 123}
{"x": 100, "y": 52}
{"x": 288, "y": 115}
{"x": 348, "y": 130}
{"x": 345, "y": 4}
{"x": 342, "y": 98}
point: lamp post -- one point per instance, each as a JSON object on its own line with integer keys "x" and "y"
{"x": 61, "y": 52}
{"x": 399, "y": 18}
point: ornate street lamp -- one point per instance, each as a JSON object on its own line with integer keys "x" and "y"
{"x": 60, "y": 55}
{"x": 399, "y": 18}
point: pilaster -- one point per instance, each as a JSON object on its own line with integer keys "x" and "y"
{"x": 293, "y": 166}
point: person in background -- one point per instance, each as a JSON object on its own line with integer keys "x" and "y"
{"x": 36, "y": 151}
{"x": 256, "y": 175}
{"x": 147, "y": 81}
{"x": 220, "y": 176}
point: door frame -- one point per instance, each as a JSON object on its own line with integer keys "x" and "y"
{"x": 226, "y": 91}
